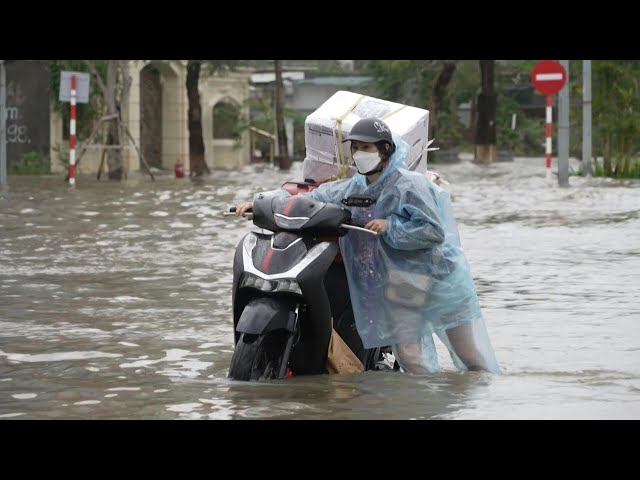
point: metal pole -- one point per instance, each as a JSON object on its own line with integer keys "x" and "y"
{"x": 586, "y": 117}
{"x": 72, "y": 133}
{"x": 3, "y": 130}
{"x": 563, "y": 130}
{"x": 547, "y": 135}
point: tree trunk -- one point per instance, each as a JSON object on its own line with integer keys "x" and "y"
{"x": 485, "y": 148}
{"x": 285, "y": 161}
{"x": 474, "y": 112}
{"x": 197, "y": 164}
{"x": 437, "y": 96}
{"x": 453, "y": 104}
{"x": 606, "y": 162}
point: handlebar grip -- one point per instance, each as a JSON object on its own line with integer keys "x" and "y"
{"x": 233, "y": 210}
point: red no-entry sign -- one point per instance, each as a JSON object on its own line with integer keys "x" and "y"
{"x": 548, "y": 77}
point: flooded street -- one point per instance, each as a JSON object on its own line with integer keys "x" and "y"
{"x": 115, "y": 302}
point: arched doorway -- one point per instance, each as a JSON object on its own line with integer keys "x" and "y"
{"x": 226, "y": 118}
{"x": 226, "y": 132}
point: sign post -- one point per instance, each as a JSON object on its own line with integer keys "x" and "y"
{"x": 548, "y": 77}
{"x": 74, "y": 88}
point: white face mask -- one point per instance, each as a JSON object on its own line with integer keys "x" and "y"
{"x": 365, "y": 161}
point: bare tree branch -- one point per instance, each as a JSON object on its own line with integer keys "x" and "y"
{"x": 126, "y": 82}
{"x": 96, "y": 75}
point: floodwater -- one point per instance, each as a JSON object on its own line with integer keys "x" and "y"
{"x": 115, "y": 303}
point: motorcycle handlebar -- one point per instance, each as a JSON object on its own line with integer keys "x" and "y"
{"x": 232, "y": 210}
{"x": 360, "y": 229}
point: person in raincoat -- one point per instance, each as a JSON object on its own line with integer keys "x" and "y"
{"x": 412, "y": 279}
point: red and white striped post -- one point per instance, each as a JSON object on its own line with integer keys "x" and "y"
{"x": 548, "y": 77}
{"x": 72, "y": 134}
{"x": 548, "y": 135}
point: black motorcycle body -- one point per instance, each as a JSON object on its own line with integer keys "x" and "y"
{"x": 290, "y": 289}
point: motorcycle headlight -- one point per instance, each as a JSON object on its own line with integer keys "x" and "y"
{"x": 283, "y": 285}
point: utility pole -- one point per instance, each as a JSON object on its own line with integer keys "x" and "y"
{"x": 586, "y": 118}
{"x": 3, "y": 130}
{"x": 563, "y": 130}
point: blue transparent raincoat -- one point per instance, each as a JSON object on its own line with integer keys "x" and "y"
{"x": 414, "y": 280}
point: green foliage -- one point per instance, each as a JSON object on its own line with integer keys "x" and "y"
{"x": 63, "y": 156}
{"x": 219, "y": 67}
{"x": 448, "y": 137}
{"x": 401, "y": 81}
{"x": 615, "y": 114}
{"x": 633, "y": 171}
{"x": 616, "y": 108}
{"x": 86, "y": 113}
{"x": 615, "y": 104}
{"x": 528, "y": 136}
{"x": 411, "y": 82}
{"x": 226, "y": 121}
{"x": 263, "y": 118}
{"x": 30, "y": 163}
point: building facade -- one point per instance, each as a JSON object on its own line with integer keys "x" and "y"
{"x": 156, "y": 114}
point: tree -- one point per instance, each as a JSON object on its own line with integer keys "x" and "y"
{"x": 197, "y": 163}
{"x": 115, "y": 95}
{"x": 442, "y": 80}
{"x": 86, "y": 113}
{"x": 399, "y": 81}
{"x": 107, "y": 105}
{"x": 423, "y": 83}
{"x": 485, "y": 141}
{"x": 616, "y": 94}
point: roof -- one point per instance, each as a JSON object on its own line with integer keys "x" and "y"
{"x": 346, "y": 81}
{"x": 268, "y": 77}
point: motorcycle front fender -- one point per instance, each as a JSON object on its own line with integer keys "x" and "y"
{"x": 264, "y": 314}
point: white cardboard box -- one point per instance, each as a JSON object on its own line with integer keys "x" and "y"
{"x": 341, "y": 112}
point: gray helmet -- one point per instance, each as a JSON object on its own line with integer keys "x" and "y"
{"x": 371, "y": 130}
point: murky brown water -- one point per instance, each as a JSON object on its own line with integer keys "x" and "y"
{"x": 115, "y": 303}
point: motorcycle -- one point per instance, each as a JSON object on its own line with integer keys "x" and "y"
{"x": 290, "y": 288}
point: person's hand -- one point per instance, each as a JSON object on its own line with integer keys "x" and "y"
{"x": 436, "y": 178}
{"x": 379, "y": 226}
{"x": 242, "y": 208}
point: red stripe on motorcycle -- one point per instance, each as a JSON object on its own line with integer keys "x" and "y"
{"x": 267, "y": 259}
{"x": 288, "y": 205}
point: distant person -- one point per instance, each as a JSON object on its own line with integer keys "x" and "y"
{"x": 413, "y": 279}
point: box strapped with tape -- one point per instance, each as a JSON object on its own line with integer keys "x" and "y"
{"x": 327, "y": 158}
